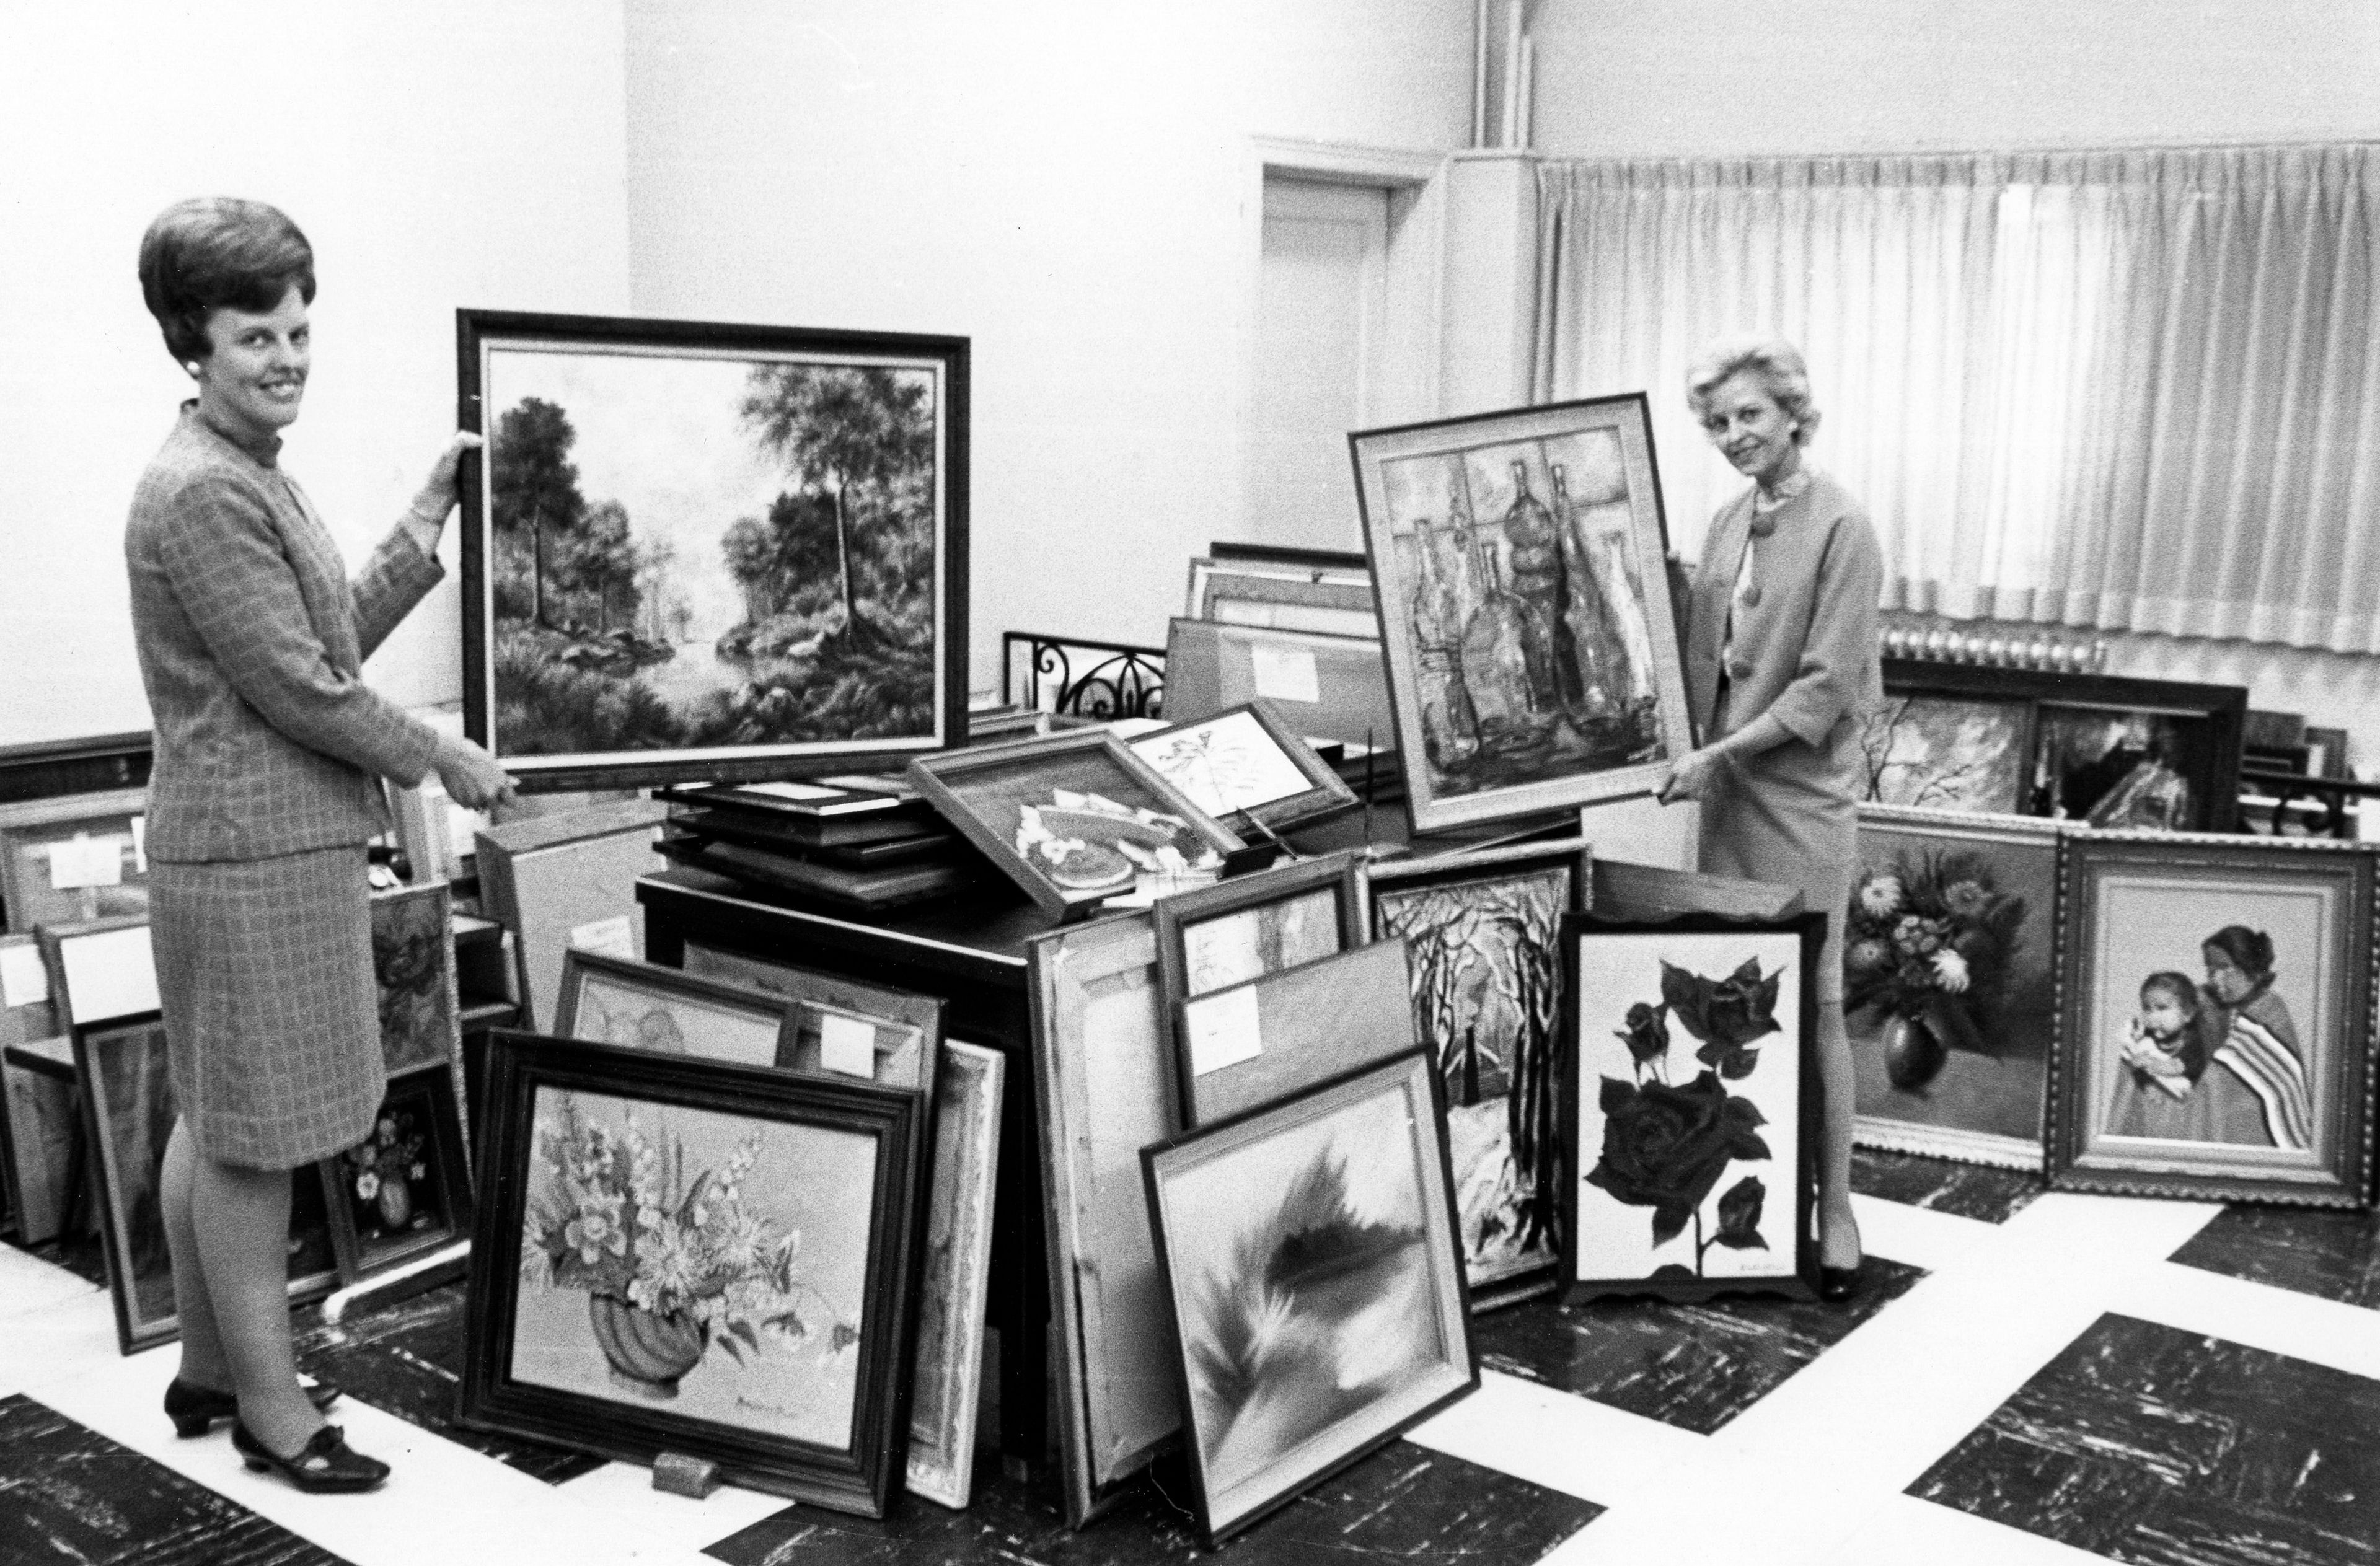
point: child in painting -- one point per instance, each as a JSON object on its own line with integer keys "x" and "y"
{"x": 2163, "y": 1059}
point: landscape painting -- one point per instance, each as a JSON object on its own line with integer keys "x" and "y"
{"x": 709, "y": 546}
{"x": 1945, "y": 753}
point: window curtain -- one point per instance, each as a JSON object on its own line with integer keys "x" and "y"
{"x": 2116, "y": 390}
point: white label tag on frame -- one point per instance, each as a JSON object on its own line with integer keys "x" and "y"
{"x": 23, "y": 980}
{"x": 847, "y": 1045}
{"x": 614, "y": 937}
{"x": 139, "y": 845}
{"x": 108, "y": 974}
{"x": 85, "y": 861}
{"x": 1285, "y": 673}
{"x": 1223, "y": 1029}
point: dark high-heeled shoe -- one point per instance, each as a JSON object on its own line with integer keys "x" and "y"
{"x": 1837, "y": 1284}
{"x": 194, "y": 1410}
{"x": 324, "y": 1466}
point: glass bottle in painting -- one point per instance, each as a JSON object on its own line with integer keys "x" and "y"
{"x": 1534, "y": 562}
{"x": 1497, "y": 640}
{"x": 1449, "y": 728}
{"x": 1597, "y": 657}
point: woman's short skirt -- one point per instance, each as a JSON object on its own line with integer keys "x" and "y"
{"x": 264, "y": 967}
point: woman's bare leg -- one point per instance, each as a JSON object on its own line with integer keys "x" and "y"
{"x": 241, "y": 1219}
{"x": 1838, "y": 1235}
{"x": 203, "y": 1364}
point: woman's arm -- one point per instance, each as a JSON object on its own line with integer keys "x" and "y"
{"x": 405, "y": 567}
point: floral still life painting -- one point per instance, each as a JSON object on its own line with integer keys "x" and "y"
{"x": 1686, "y": 1110}
{"x": 680, "y": 1255}
{"x": 405, "y": 1188}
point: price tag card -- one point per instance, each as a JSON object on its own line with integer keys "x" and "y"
{"x": 1286, "y": 674}
{"x": 23, "y": 980}
{"x": 847, "y": 1045}
{"x": 85, "y": 860}
{"x": 614, "y": 937}
{"x": 1223, "y": 1029}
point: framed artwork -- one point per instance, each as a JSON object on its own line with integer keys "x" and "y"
{"x": 128, "y": 1110}
{"x": 1103, "y": 1067}
{"x": 644, "y": 1006}
{"x": 1324, "y": 686}
{"x": 1950, "y": 968}
{"x": 915, "y": 1019}
{"x": 405, "y": 1190}
{"x": 1314, "y": 1281}
{"x": 1690, "y": 1107}
{"x": 1072, "y": 819}
{"x": 1484, "y": 935}
{"x": 2215, "y": 997}
{"x": 1284, "y": 598}
{"x": 1255, "y": 924}
{"x": 567, "y": 881}
{"x": 75, "y": 857}
{"x": 1525, "y": 607}
{"x": 948, "y": 1358}
{"x": 1229, "y": 571}
{"x": 686, "y": 1255}
{"x": 1246, "y": 766}
{"x": 2097, "y": 748}
{"x": 413, "y": 959}
{"x": 694, "y": 549}
{"x": 1248, "y": 1044}
{"x": 41, "y": 1143}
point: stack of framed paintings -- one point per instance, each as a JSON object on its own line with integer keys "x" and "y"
{"x": 1325, "y": 687}
{"x": 1246, "y": 767}
{"x": 75, "y": 857}
{"x": 1689, "y": 1105}
{"x": 1328, "y": 595}
{"x": 36, "y": 1111}
{"x": 1242, "y": 1045}
{"x": 1258, "y": 923}
{"x": 567, "y": 880}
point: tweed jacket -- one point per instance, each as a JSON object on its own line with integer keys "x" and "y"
{"x": 1805, "y": 638}
{"x": 252, "y": 642}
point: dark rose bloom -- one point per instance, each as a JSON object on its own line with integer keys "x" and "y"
{"x": 1647, "y": 1032}
{"x": 1665, "y": 1148}
{"x": 1731, "y": 1011}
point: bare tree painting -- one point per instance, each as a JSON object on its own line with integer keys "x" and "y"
{"x": 1945, "y": 754}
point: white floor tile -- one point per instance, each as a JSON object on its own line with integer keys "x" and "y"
{"x": 626, "y": 1490}
{"x": 28, "y": 1284}
{"x": 1919, "y": 1236}
{"x": 1565, "y": 1443}
{"x": 2256, "y": 1315}
{"x": 1905, "y": 1531}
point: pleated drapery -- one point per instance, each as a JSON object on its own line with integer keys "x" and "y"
{"x": 2121, "y": 390}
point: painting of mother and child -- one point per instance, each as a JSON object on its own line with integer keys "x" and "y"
{"x": 2218, "y": 1060}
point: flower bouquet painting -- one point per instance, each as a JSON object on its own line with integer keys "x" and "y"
{"x": 405, "y": 1190}
{"x": 1687, "y": 1100}
{"x": 1927, "y": 940}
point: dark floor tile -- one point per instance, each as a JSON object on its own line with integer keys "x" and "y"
{"x": 1403, "y": 1502}
{"x": 1968, "y": 1190}
{"x": 2147, "y": 1444}
{"x": 2335, "y": 1256}
{"x": 1695, "y": 1366}
{"x": 69, "y": 1495}
{"x": 406, "y": 1359}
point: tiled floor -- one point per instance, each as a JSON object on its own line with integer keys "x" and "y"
{"x": 2026, "y": 1378}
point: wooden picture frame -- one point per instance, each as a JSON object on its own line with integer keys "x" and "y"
{"x": 1247, "y": 769}
{"x": 44, "y": 1140}
{"x": 1496, "y": 913}
{"x": 1104, "y": 1082}
{"x": 905, "y": 1067}
{"x": 947, "y": 1382}
{"x": 100, "y": 969}
{"x": 860, "y": 657}
{"x": 1953, "y": 1073}
{"x": 987, "y": 792}
{"x": 1324, "y": 686}
{"x": 1689, "y": 1063}
{"x": 636, "y": 1005}
{"x": 1531, "y": 649}
{"x": 128, "y": 1110}
{"x": 1372, "y": 1143}
{"x": 1330, "y": 603}
{"x": 413, "y": 968}
{"x": 405, "y": 1191}
{"x": 1258, "y": 923}
{"x": 32, "y": 829}
{"x": 563, "y": 882}
{"x": 1245, "y": 1044}
{"x": 819, "y": 1415}
{"x": 2274, "y": 1097}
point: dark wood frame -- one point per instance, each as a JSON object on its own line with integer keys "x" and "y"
{"x": 1501, "y": 863}
{"x": 943, "y": 780}
{"x": 2212, "y": 767}
{"x": 578, "y": 965}
{"x": 1627, "y": 415}
{"x": 1810, "y": 930}
{"x": 477, "y": 329}
{"x": 1409, "y": 1071}
{"x": 135, "y": 1332}
{"x": 446, "y": 1153}
{"x": 859, "y": 1478}
{"x": 2347, "y": 1117}
{"x": 1326, "y": 797}
{"x": 1340, "y": 873}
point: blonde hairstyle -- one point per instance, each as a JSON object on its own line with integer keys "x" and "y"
{"x": 1776, "y": 362}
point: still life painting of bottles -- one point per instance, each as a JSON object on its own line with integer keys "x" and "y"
{"x": 1527, "y": 610}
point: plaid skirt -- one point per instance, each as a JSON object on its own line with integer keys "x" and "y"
{"x": 265, "y": 969}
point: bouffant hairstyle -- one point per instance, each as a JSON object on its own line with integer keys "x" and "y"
{"x": 215, "y": 252}
{"x": 1776, "y": 362}
{"x": 2249, "y": 951}
{"x": 2180, "y": 986}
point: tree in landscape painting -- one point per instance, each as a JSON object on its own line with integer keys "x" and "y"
{"x": 535, "y": 484}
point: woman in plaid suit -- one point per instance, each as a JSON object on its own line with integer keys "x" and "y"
{"x": 265, "y": 788}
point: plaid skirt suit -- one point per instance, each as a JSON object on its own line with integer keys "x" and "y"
{"x": 263, "y": 792}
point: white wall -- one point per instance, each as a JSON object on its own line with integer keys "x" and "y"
{"x": 1070, "y": 183}
{"x": 437, "y": 152}
{"x": 1666, "y": 78}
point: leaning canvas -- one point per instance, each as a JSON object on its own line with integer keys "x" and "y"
{"x": 696, "y": 549}
{"x": 1525, "y": 607}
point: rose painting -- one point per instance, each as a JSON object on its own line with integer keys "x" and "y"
{"x": 1688, "y": 1153}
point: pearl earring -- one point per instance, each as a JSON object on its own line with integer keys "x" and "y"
{"x": 192, "y": 367}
